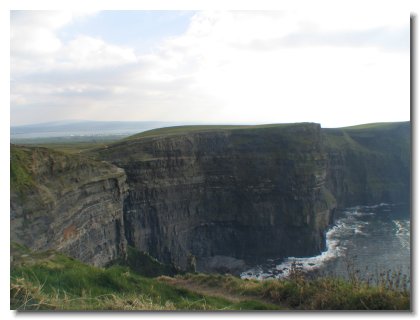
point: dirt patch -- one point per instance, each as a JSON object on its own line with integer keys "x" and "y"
{"x": 69, "y": 232}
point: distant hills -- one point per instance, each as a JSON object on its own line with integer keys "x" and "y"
{"x": 85, "y": 128}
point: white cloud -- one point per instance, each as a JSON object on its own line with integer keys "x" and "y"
{"x": 34, "y": 32}
{"x": 330, "y": 81}
{"x": 281, "y": 66}
{"x": 86, "y": 52}
{"x": 36, "y": 46}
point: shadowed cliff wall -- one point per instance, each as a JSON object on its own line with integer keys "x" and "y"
{"x": 249, "y": 194}
{"x": 369, "y": 164}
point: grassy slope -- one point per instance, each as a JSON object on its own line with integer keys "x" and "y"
{"x": 50, "y": 280}
{"x": 324, "y": 293}
{"x": 367, "y": 137}
{"x": 25, "y": 160}
{"x": 375, "y": 126}
{"x": 20, "y": 175}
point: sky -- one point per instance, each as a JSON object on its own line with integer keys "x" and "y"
{"x": 334, "y": 68}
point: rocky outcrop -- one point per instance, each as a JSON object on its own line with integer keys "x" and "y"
{"x": 68, "y": 203}
{"x": 248, "y": 194}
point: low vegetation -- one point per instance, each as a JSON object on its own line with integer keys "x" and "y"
{"x": 71, "y": 145}
{"x": 325, "y": 293}
{"x": 145, "y": 265}
{"x": 52, "y": 281}
{"x": 20, "y": 176}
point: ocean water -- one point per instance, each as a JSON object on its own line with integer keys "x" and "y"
{"x": 372, "y": 239}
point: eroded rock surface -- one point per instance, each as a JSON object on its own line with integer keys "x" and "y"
{"x": 68, "y": 203}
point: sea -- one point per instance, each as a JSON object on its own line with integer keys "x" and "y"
{"x": 369, "y": 241}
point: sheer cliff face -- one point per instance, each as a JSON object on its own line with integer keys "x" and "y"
{"x": 227, "y": 196}
{"x": 369, "y": 165}
{"x": 247, "y": 194}
{"x": 67, "y": 203}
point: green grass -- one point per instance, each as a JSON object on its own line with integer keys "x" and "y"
{"x": 52, "y": 281}
{"x": 70, "y": 146}
{"x": 145, "y": 265}
{"x": 364, "y": 137}
{"x": 20, "y": 176}
{"x": 182, "y": 130}
{"x": 324, "y": 293}
{"x": 376, "y": 126}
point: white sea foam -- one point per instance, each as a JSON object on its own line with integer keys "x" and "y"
{"x": 339, "y": 238}
{"x": 382, "y": 204}
{"x": 358, "y": 212}
{"x": 402, "y": 231}
{"x": 334, "y": 250}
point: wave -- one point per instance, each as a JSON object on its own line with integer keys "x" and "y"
{"x": 375, "y": 206}
{"x": 402, "y": 232}
{"x": 334, "y": 250}
{"x": 352, "y": 224}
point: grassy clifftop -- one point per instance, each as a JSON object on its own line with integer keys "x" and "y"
{"x": 182, "y": 130}
{"x": 32, "y": 166}
{"x": 371, "y": 137}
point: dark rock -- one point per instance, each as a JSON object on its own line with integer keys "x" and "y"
{"x": 67, "y": 203}
{"x": 369, "y": 164}
{"x": 245, "y": 194}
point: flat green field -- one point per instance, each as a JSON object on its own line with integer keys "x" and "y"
{"x": 68, "y": 144}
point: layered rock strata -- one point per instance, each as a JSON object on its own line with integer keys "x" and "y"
{"x": 67, "y": 203}
{"x": 247, "y": 194}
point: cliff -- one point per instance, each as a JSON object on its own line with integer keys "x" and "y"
{"x": 226, "y": 195}
{"x": 369, "y": 164}
{"x": 68, "y": 203}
